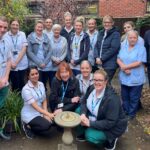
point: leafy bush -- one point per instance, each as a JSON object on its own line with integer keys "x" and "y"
{"x": 11, "y": 110}
{"x": 14, "y": 9}
{"x": 143, "y": 22}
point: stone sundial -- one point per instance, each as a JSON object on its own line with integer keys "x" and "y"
{"x": 68, "y": 120}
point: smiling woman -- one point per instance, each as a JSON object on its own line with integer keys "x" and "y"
{"x": 65, "y": 93}
{"x": 39, "y": 51}
{"x": 102, "y": 117}
{"x": 34, "y": 114}
{"x": 18, "y": 42}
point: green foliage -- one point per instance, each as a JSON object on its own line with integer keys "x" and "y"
{"x": 143, "y": 22}
{"x": 99, "y": 23}
{"x": 11, "y": 110}
{"x": 28, "y": 26}
{"x": 14, "y": 9}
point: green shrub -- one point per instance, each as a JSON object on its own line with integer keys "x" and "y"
{"x": 11, "y": 110}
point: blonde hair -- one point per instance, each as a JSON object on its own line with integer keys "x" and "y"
{"x": 80, "y": 19}
{"x": 110, "y": 18}
{"x": 3, "y": 18}
{"x": 39, "y": 21}
{"x": 102, "y": 72}
{"x": 130, "y": 23}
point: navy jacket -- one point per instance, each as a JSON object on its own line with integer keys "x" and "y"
{"x": 147, "y": 45}
{"x": 109, "y": 48}
{"x": 111, "y": 118}
{"x": 84, "y": 48}
{"x": 65, "y": 34}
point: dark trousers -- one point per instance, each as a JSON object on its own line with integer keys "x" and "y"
{"x": 47, "y": 76}
{"x": 40, "y": 126}
{"x": 148, "y": 73}
{"x": 131, "y": 98}
{"x": 17, "y": 79}
{"x": 110, "y": 73}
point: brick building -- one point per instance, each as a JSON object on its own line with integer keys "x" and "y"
{"x": 123, "y": 8}
{"x": 100, "y": 8}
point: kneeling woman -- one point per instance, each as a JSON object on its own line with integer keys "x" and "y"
{"x": 34, "y": 113}
{"x": 102, "y": 118}
{"x": 65, "y": 92}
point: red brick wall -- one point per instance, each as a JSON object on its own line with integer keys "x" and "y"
{"x": 122, "y": 8}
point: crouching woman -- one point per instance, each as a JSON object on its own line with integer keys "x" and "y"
{"x": 102, "y": 117}
{"x": 35, "y": 116}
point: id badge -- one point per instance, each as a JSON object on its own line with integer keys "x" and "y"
{"x": 92, "y": 118}
{"x": 60, "y": 105}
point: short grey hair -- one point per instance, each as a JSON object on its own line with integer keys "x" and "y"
{"x": 133, "y": 31}
{"x": 56, "y": 26}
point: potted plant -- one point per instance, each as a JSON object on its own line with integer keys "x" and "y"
{"x": 10, "y": 113}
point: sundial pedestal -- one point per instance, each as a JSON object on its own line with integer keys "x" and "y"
{"x": 67, "y": 120}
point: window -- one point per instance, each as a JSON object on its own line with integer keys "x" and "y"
{"x": 148, "y": 6}
{"x": 34, "y": 7}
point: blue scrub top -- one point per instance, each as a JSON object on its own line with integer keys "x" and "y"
{"x": 137, "y": 76}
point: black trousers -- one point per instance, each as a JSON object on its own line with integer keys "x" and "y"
{"x": 148, "y": 73}
{"x": 47, "y": 76}
{"x": 110, "y": 73}
{"x": 40, "y": 126}
{"x": 17, "y": 79}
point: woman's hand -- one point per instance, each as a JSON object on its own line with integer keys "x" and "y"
{"x": 72, "y": 62}
{"x": 84, "y": 120}
{"x": 128, "y": 71}
{"x": 57, "y": 111}
{"x": 3, "y": 82}
{"x": 42, "y": 66}
{"x": 51, "y": 116}
{"x": 47, "y": 118}
{"x": 98, "y": 61}
{"x": 13, "y": 65}
{"x": 75, "y": 99}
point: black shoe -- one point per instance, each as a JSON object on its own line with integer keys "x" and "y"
{"x": 27, "y": 130}
{"x": 81, "y": 138}
{"x": 5, "y": 137}
{"x": 112, "y": 145}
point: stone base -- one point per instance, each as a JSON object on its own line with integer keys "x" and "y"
{"x": 67, "y": 147}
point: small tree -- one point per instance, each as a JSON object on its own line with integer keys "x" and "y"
{"x": 14, "y": 9}
{"x": 55, "y": 9}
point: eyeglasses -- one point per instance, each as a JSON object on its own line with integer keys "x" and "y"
{"x": 48, "y": 22}
{"x": 107, "y": 22}
{"x": 98, "y": 80}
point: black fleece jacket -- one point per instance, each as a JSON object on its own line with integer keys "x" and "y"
{"x": 111, "y": 118}
{"x": 56, "y": 94}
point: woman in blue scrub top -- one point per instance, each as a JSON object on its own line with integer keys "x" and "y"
{"x": 18, "y": 42}
{"x": 132, "y": 76}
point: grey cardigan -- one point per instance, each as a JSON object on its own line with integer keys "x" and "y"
{"x": 33, "y": 47}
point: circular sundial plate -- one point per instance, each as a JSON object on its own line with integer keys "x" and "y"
{"x": 67, "y": 119}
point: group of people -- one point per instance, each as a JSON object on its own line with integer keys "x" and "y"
{"x": 79, "y": 66}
